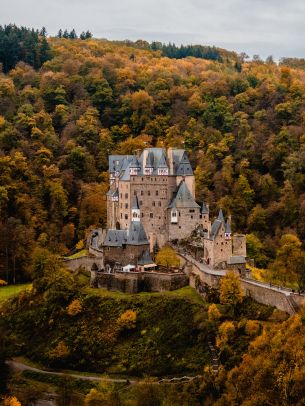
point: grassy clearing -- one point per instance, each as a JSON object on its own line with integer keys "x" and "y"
{"x": 7, "y": 292}
{"x": 79, "y": 254}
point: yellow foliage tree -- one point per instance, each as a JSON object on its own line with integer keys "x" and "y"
{"x": 252, "y": 327}
{"x": 230, "y": 289}
{"x": 2, "y": 282}
{"x": 60, "y": 351}
{"x": 167, "y": 257}
{"x": 127, "y": 320}
{"x": 11, "y": 401}
{"x": 225, "y": 333}
{"x": 74, "y": 308}
{"x": 213, "y": 312}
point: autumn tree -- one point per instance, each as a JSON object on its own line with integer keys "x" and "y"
{"x": 167, "y": 258}
{"x": 230, "y": 289}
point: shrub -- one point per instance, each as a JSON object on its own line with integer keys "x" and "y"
{"x": 225, "y": 333}
{"x": 2, "y": 282}
{"x": 74, "y": 308}
{"x": 213, "y": 312}
{"x": 252, "y": 327}
{"x": 60, "y": 351}
{"x": 127, "y": 320}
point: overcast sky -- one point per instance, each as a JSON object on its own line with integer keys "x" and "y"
{"x": 264, "y": 27}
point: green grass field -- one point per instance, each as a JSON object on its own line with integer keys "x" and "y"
{"x": 79, "y": 254}
{"x": 7, "y": 292}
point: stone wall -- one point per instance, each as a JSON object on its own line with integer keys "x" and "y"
{"x": 86, "y": 262}
{"x": 188, "y": 219}
{"x": 124, "y": 255}
{"x": 268, "y": 296}
{"x": 135, "y": 282}
{"x": 282, "y": 299}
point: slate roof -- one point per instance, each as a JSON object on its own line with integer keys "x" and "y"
{"x": 145, "y": 259}
{"x": 215, "y": 228}
{"x": 150, "y": 160}
{"x": 204, "y": 209}
{"x": 156, "y": 158}
{"x": 220, "y": 216}
{"x": 135, "y": 235}
{"x": 217, "y": 224}
{"x": 181, "y": 163}
{"x": 135, "y": 203}
{"x": 228, "y": 229}
{"x": 115, "y": 238}
{"x": 183, "y": 198}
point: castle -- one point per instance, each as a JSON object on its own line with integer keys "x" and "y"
{"x": 151, "y": 201}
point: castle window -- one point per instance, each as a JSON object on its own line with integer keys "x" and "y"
{"x": 121, "y": 215}
{"x": 126, "y": 216}
{"x": 121, "y": 195}
{"x": 191, "y": 217}
{"x": 153, "y": 203}
{"x": 159, "y": 204}
{"x": 142, "y": 214}
{"x": 157, "y": 192}
{"x": 151, "y": 215}
{"x": 126, "y": 195}
{"x": 142, "y": 193}
{"x": 134, "y": 192}
{"x": 148, "y": 192}
{"x": 126, "y": 205}
{"x": 192, "y": 211}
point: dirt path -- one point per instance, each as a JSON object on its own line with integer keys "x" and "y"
{"x": 20, "y": 366}
{"x": 17, "y": 366}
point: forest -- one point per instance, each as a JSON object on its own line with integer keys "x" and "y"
{"x": 66, "y": 103}
{"x": 242, "y": 125}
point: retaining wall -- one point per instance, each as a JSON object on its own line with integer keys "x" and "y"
{"x": 283, "y": 299}
{"x": 268, "y": 296}
{"x": 135, "y": 282}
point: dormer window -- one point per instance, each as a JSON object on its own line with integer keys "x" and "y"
{"x": 163, "y": 171}
{"x": 174, "y": 216}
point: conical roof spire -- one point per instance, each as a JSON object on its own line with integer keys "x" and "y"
{"x": 220, "y": 216}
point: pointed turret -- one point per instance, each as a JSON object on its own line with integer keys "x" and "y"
{"x": 162, "y": 166}
{"x": 228, "y": 230}
{"x": 220, "y": 216}
{"x": 134, "y": 166}
{"x": 149, "y": 164}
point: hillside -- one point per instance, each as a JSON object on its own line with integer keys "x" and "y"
{"x": 242, "y": 127}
